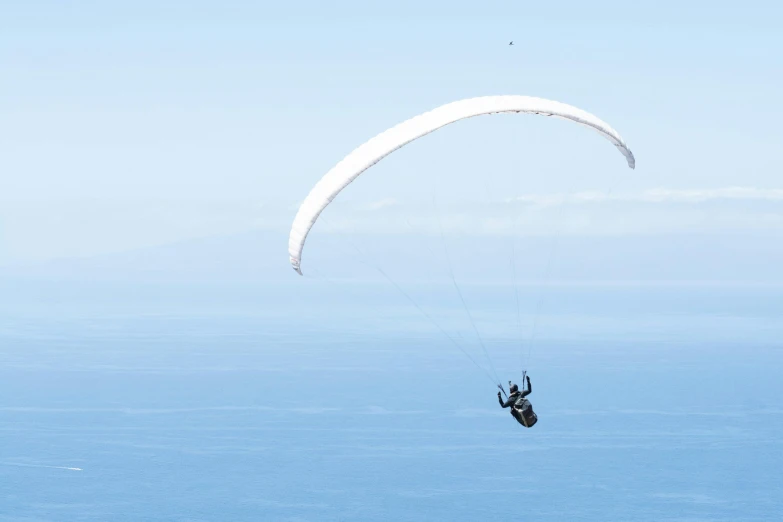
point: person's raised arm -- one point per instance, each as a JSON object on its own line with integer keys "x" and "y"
{"x": 509, "y": 402}
{"x": 529, "y": 387}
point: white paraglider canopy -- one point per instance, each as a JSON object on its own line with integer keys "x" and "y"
{"x": 368, "y": 154}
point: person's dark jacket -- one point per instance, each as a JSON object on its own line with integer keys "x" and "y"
{"x": 514, "y": 397}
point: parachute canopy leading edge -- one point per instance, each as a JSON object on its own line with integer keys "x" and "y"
{"x": 371, "y": 152}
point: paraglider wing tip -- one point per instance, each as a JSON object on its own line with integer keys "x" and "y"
{"x": 295, "y": 266}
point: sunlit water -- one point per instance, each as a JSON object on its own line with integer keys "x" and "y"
{"x": 652, "y": 406}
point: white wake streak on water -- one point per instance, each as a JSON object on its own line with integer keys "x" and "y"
{"x": 20, "y": 465}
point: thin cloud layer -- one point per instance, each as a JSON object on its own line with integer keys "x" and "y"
{"x": 380, "y": 204}
{"x": 659, "y": 195}
{"x": 657, "y": 211}
{"x": 37, "y": 231}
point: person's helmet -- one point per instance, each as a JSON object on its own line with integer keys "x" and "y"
{"x": 514, "y": 388}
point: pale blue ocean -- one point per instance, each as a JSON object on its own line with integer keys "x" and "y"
{"x": 260, "y": 404}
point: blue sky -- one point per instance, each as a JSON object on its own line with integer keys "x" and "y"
{"x": 130, "y": 126}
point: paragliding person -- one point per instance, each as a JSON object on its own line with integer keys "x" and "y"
{"x": 521, "y": 409}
